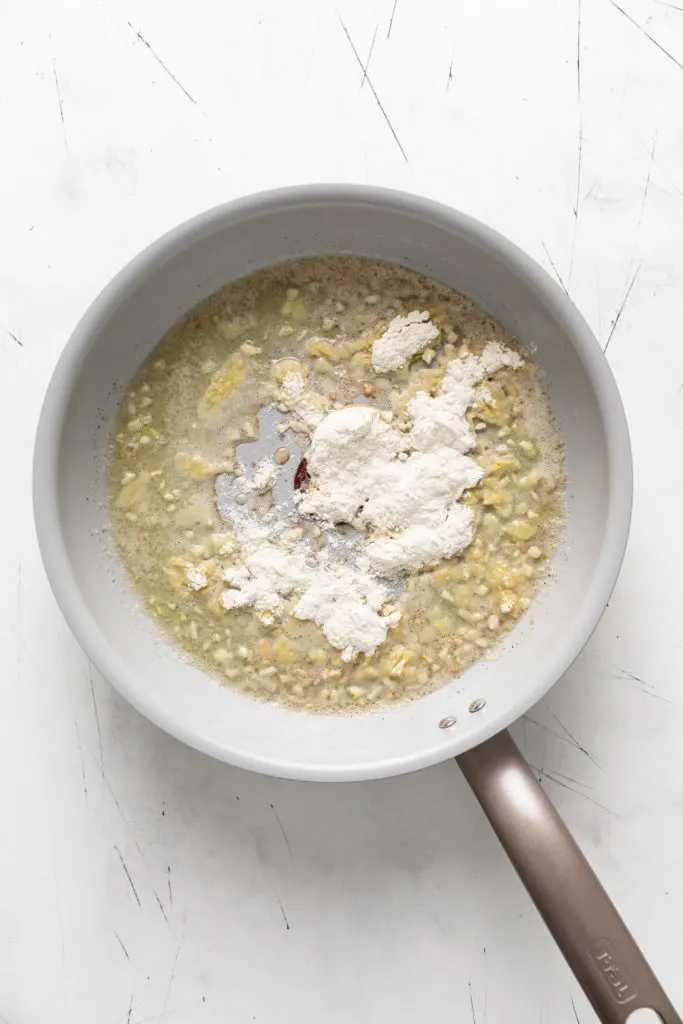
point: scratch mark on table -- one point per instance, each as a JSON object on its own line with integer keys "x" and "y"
{"x": 373, "y": 90}
{"x": 617, "y": 318}
{"x": 665, "y": 3}
{"x": 579, "y": 155}
{"x": 170, "y": 890}
{"x": 649, "y": 692}
{"x": 449, "y": 80}
{"x": 60, "y": 104}
{"x": 125, "y": 951}
{"x": 625, "y": 674}
{"x": 161, "y": 906}
{"x": 647, "y": 34}
{"x": 130, "y": 1008}
{"x": 570, "y": 778}
{"x": 674, "y": 186}
{"x": 161, "y": 64}
{"x": 552, "y": 264}
{"x": 284, "y": 834}
{"x": 97, "y": 717}
{"x": 391, "y": 19}
{"x": 80, "y": 755}
{"x": 113, "y": 795}
{"x": 128, "y": 876}
{"x": 578, "y": 1021}
{"x": 142, "y": 855}
{"x": 367, "y": 63}
{"x": 592, "y": 191}
{"x": 575, "y": 741}
{"x": 647, "y": 181}
{"x": 553, "y": 732}
{"x": 284, "y": 915}
{"x": 551, "y": 776}
{"x": 173, "y": 970}
{"x": 474, "y": 1016}
{"x": 12, "y": 335}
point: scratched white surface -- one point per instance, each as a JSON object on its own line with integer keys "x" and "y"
{"x": 140, "y": 881}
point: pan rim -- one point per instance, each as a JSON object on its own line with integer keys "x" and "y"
{"x": 103, "y": 652}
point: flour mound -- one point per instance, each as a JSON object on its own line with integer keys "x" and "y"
{"x": 345, "y": 602}
{"x": 404, "y": 337}
{"x": 403, "y": 488}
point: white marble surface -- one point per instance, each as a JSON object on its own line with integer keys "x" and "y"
{"x": 141, "y": 882}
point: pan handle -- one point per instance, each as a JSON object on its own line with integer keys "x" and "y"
{"x": 580, "y": 915}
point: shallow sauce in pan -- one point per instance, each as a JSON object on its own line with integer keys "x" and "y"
{"x": 193, "y": 415}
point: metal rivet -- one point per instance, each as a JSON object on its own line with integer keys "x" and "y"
{"x": 477, "y": 705}
{"x": 447, "y": 723}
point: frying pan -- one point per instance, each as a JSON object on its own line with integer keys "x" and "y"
{"x": 468, "y": 716}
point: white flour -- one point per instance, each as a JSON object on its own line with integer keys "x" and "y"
{"x": 260, "y": 481}
{"x": 401, "y": 489}
{"x": 404, "y": 337}
{"x": 408, "y": 506}
{"x": 311, "y": 408}
{"x": 346, "y": 602}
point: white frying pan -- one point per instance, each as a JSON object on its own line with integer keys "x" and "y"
{"x": 465, "y": 718}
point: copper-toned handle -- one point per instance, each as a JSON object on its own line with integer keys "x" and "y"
{"x": 580, "y": 915}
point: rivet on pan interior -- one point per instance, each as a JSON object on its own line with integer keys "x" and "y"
{"x": 447, "y": 723}
{"x": 477, "y": 705}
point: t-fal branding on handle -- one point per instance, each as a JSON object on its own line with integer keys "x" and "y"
{"x": 607, "y": 963}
